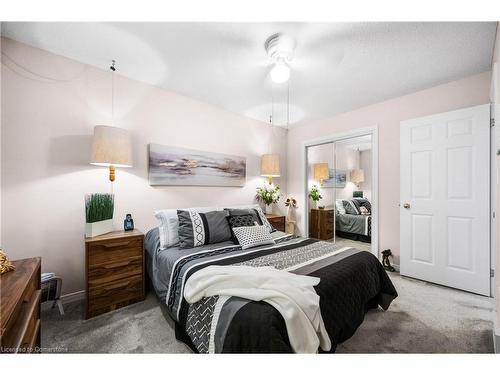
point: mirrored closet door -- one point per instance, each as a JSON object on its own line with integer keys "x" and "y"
{"x": 339, "y": 188}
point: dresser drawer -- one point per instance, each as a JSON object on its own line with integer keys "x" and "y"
{"x": 115, "y": 250}
{"x": 115, "y": 292}
{"x": 25, "y": 329}
{"x": 112, "y": 271}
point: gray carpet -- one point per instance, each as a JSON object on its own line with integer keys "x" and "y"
{"x": 425, "y": 318}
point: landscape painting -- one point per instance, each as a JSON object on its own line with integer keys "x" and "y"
{"x": 182, "y": 166}
{"x": 337, "y": 179}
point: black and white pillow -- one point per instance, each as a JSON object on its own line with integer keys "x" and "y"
{"x": 241, "y": 220}
{"x": 256, "y": 212}
{"x": 363, "y": 202}
{"x": 198, "y": 229}
{"x": 253, "y": 236}
{"x": 236, "y": 221}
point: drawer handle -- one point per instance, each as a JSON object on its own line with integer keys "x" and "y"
{"x": 116, "y": 265}
{"x": 116, "y": 244}
{"x": 116, "y": 286}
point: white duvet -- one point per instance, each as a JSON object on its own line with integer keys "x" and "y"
{"x": 292, "y": 295}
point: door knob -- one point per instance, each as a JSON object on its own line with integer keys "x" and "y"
{"x": 406, "y": 205}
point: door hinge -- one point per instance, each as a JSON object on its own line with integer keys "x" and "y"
{"x": 494, "y": 216}
{"x": 492, "y": 122}
{"x": 492, "y": 272}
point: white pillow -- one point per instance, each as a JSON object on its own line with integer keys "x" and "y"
{"x": 339, "y": 204}
{"x": 169, "y": 224}
{"x": 253, "y": 236}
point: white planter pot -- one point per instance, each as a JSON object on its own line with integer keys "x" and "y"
{"x": 98, "y": 228}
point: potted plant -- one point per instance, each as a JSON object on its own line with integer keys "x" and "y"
{"x": 269, "y": 195}
{"x": 99, "y": 214}
{"x": 315, "y": 195}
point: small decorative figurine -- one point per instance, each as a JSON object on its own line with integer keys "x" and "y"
{"x": 128, "y": 223}
{"x": 385, "y": 260}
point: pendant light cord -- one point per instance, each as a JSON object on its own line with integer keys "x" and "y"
{"x": 113, "y": 69}
{"x": 271, "y": 120}
{"x": 288, "y": 105}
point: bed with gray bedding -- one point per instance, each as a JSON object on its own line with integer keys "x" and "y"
{"x": 351, "y": 222}
{"x": 355, "y": 224}
{"x": 352, "y": 281}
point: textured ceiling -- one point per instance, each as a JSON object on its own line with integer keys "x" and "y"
{"x": 336, "y": 67}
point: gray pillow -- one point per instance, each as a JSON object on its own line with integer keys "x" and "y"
{"x": 198, "y": 229}
{"x": 350, "y": 208}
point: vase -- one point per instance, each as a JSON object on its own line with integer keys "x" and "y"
{"x": 269, "y": 209}
{"x": 315, "y": 205}
{"x": 98, "y": 228}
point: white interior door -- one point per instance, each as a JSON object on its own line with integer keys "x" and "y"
{"x": 444, "y": 214}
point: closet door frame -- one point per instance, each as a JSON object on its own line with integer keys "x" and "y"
{"x": 373, "y": 131}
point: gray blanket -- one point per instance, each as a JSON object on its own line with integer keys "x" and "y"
{"x": 356, "y": 224}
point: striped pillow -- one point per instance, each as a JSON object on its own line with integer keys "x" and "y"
{"x": 198, "y": 228}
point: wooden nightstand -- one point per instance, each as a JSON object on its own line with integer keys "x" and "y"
{"x": 322, "y": 224}
{"x": 277, "y": 221}
{"x": 114, "y": 271}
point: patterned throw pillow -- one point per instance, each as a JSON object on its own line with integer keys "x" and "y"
{"x": 363, "y": 202}
{"x": 241, "y": 221}
{"x": 236, "y": 221}
{"x": 253, "y": 236}
{"x": 256, "y": 212}
{"x": 198, "y": 229}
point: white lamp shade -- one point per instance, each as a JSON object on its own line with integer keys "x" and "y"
{"x": 111, "y": 146}
{"x": 270, "y": 165}
{"x": 357, "y": 176}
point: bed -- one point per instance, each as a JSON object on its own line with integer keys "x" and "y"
{"x": 352, "y": 282}
{"x": 350, "y": 222}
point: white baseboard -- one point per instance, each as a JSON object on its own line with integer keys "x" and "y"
{"x": 72, "y": 297}
{"x": 396, "y": 267}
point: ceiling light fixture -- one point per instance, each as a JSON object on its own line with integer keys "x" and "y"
{"x": 279, "y": 48}
{"x": 280, "y": 73}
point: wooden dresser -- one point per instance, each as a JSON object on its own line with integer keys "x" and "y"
{"x": 277, "y": 221}
{"x": 20, "y": 308}
{"x": 322, "y": 224}
{"x": 114, "y": 271}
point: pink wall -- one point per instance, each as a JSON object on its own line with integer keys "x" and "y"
{"x": 46, "y": 134}
{"x": 386, "y": 116}
{"x": 495, "y": 96}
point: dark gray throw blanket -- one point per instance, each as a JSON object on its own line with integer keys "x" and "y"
{"x": 352, "y": 281}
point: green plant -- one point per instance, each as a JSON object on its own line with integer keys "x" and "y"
{"x": 99, "y": 207}
{"x": 268, "y": 195}
{"x": 314, "y": 194}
